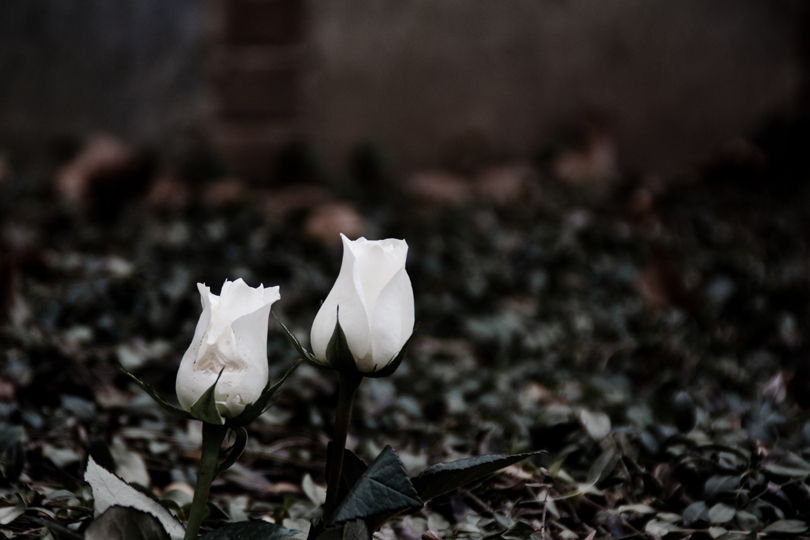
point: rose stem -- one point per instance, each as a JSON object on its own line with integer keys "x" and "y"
{"x": 212, "y": 437}
{"x": 347, "y": 390}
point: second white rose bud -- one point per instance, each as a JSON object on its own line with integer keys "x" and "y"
{"x": 373, "y": 299}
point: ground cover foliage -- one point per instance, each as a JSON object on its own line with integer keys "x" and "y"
{"x": 659, "y": 357}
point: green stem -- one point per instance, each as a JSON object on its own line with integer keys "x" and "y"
{"x": 212, "y": 437}
{"x": 347, "y": 390}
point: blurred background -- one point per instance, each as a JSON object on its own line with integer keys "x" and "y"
{"x": 606, "y": 202}
{"x": 663, "y": 84}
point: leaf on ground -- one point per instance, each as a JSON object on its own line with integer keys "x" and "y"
{"x": 10, "y": 513}
{"x": 125, "y": 523}
{"x": 109, "y": 490}
{"x": 721, "y": 513}
{"x": 718, "y": 485}
{"x": 445, "y": 477}
{"x": 786, "y": 526}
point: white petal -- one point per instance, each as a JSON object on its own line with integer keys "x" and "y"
{"x": 392, "y": 322}
{"x": 346, "y": 294}
{"x": 377, "y": 262}
{"x": 231, "y": 339}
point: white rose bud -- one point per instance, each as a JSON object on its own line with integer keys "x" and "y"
{"x": 231, "y": 338}
{"x": 374, "y": 298}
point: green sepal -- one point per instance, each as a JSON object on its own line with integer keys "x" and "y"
{"x": 160, "y": 400}
{"x": 255, "y": 409}
{"x": 392, "y": 366}
{"x": 233, "y": 453}
{"x": 205, "y": 408}
{"x": 305, "y": 354}
{"x": 338, "y": 354}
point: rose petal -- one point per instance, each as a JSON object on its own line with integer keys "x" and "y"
{"x": 347, "y": 294}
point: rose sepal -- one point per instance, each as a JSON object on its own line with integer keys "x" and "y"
{"x": 303, "y": 353}
{"x": 338, "y": 354}
{"x": 393, "y": 365}
{"x": 205, "y": 408}
{"x": 258, "y": 407}
{"x": 160, "y": 400}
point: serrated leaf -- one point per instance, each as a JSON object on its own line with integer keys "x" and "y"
{"x": 249, "y": 530}
{"x": 258, "y": 407}
{"x": 445, "y": 477}
{"x": 205, "y": 408}
{"x": 786, "y": 526}
{"x": 353, "y": 469}
{"x": 718, "y": 484}
{"x": 123, "y": 523}
{"x": 160, "y": 400}
{"x": 383, "y": 490}
{"x": 109, "y": 490}
{"x": 721, "y": 513}
{"x": 234, "y": 451}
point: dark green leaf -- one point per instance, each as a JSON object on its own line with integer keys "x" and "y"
{"x": 165, "y": 405}
{"x": 352, "y": 530}
{"x": 383, "y": 490}
{"x": 786, "y": 526}
{"x": 789, "y": 465}
{"x": 353, "y": 469}
{"x": 444, "y": 477}
{"x": 15, "y": 461}
{"x": 305, "y": 354}
{"x": 392, "y": 366}
{"x": 718, "y": 484}
{"x": 697, "y": 511}
{"x": 258, "y": 407}
{"x": 234, "y": 451}
{"x": 721, "y": 513}
{"x": 338, "y": 354}
{"x": 205, "y": 408}
{"x": 249, "y": 530}
{"x": 124, "y": 523}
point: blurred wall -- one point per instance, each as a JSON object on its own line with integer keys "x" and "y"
{"x": 673, "y": 79}
{"x": 132, "y": 67}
